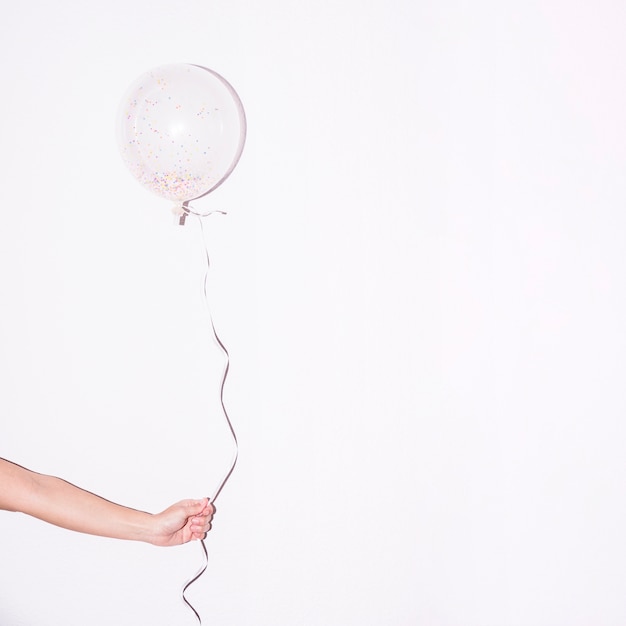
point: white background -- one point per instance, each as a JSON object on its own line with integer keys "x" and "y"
{"x": 421, "y": 282}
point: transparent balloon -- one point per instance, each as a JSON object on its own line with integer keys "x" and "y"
{"x": 181, "y": 130}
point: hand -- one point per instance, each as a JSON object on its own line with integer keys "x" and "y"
{"x": 182, "y": 522}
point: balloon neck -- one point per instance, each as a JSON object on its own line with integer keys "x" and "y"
{"x": 181, "y": 212}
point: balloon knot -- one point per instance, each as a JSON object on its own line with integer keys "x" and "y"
{"x": 181, "y": 212}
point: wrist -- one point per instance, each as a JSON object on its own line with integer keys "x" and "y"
{"x": 132, "y": 525}
{"x": 146, "y": 530}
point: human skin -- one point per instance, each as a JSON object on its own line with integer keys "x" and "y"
{"x": 63, "y": 504}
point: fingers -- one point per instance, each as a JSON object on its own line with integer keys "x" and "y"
{"x": 200, "y": 523}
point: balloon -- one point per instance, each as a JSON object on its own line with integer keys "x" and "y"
{"x": 181, "y": 130}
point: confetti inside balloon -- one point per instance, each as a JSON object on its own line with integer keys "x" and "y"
{"x": 181, "y": 131}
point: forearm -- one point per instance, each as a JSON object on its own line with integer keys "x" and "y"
{"x": 63, "y": 504}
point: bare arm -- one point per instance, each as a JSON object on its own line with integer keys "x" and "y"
{"x": 63, "y": 504}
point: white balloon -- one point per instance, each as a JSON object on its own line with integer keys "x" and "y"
{"x": 181, "y": 130}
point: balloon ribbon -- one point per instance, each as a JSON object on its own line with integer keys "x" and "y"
{"x": 218, "y": 341}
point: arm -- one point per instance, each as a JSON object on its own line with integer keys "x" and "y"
{"x": 63, "y": 504}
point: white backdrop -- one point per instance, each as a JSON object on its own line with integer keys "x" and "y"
{"x": 421, "y": 281}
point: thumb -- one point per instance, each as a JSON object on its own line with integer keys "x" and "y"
{"x": 193, "y": 507}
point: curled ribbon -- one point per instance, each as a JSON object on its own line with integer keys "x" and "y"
{"x": 187, "y": 211}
